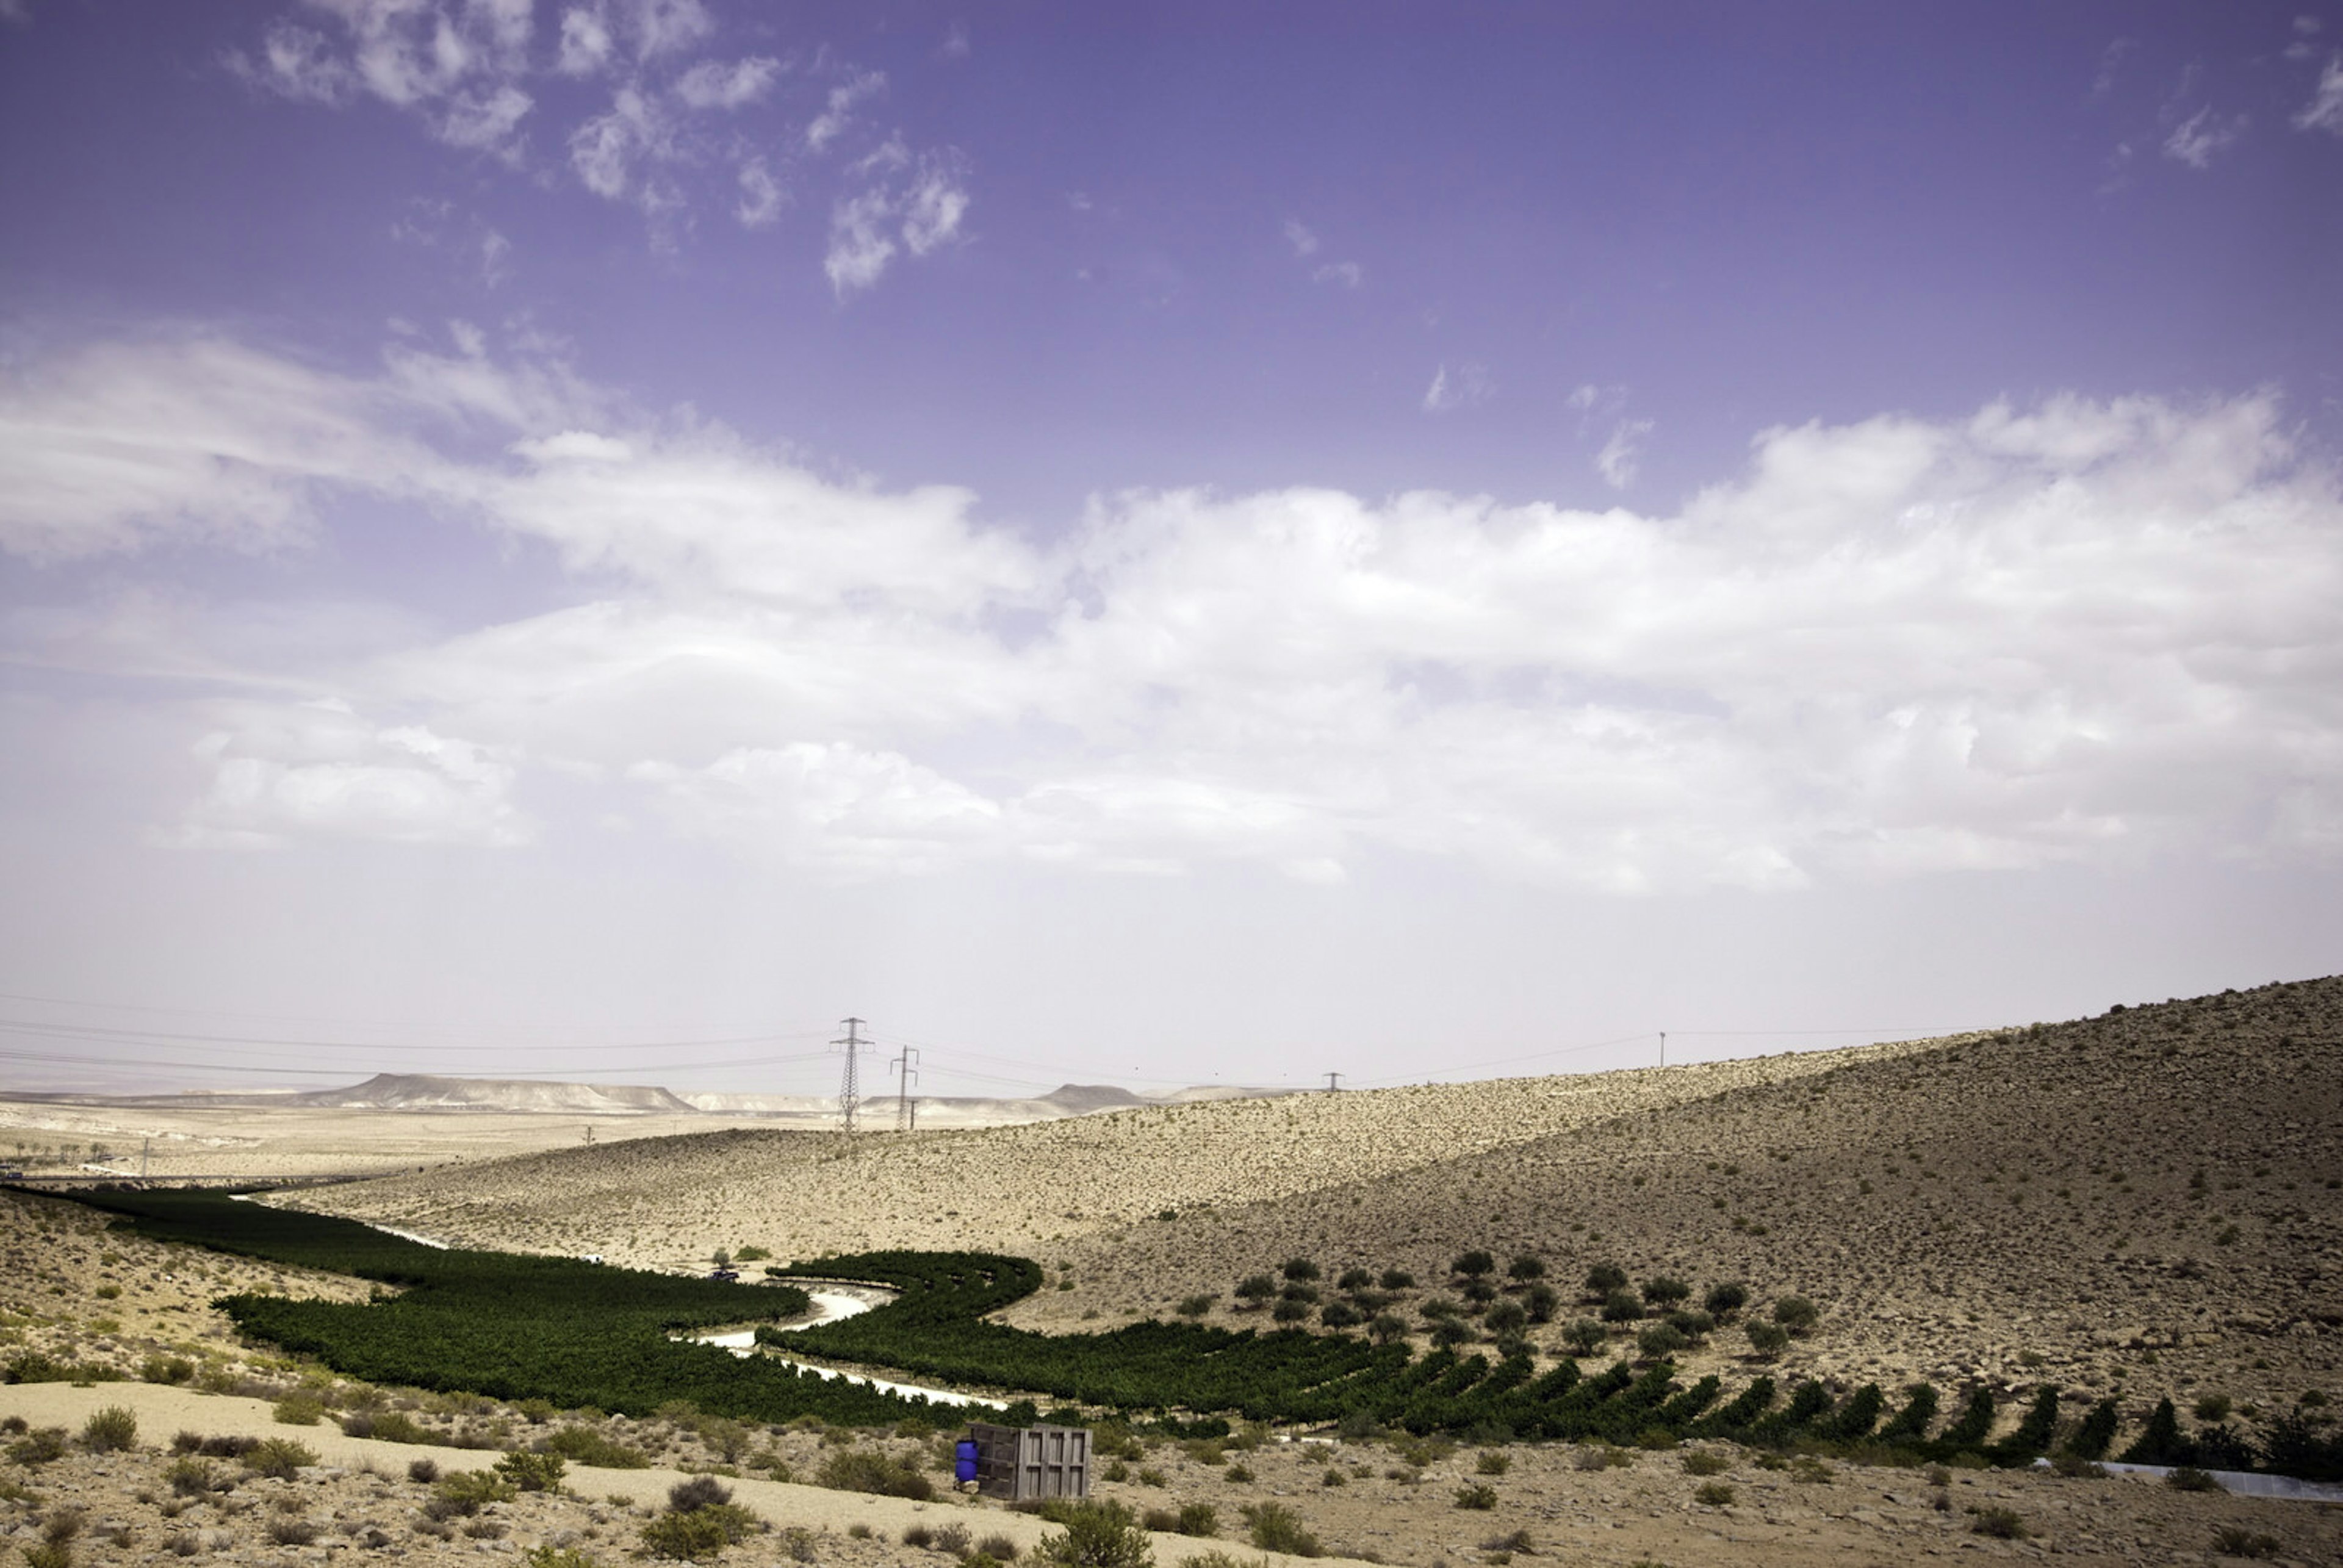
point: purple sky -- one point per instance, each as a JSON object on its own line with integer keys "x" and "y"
{"x": 1148, "y": 543}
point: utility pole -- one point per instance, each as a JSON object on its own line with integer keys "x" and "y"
{"x": 589, "y": 1135}
{"x": 849, "y": 1086}
{"x": 906, "y": 1067}
{"x": 1664, "y": 1048}
{"x": 144, "y": 1149}
{"x": 1333, "y": 1082}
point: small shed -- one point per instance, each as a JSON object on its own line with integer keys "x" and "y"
{"x": 1021, "y": 1463}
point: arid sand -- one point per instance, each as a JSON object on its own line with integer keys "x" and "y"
{"x": 2145, "y": 1203}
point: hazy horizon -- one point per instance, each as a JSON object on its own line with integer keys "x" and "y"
{"x": 1159, "y": 545}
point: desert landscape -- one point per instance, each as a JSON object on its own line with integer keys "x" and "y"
{"x": 2143, "y": 1205}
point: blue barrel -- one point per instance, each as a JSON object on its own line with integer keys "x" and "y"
{"x": 964, "y": 1460}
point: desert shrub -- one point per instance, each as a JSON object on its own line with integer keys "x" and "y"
{"x": 280, "y": 1457}
{"x": 1714, "y": 1494}
{"x": 35, "y": 1366}
{"x": 751, "y": 1255}
{"x": 1000, "y": 1548}
{"x": 1477, "y": 1495}
{"x": 1525, "y": 1267}
{"x": 544, "y": 1555}
{"x": 1097, "y": 1535}
{"x": 1386, "y": 1326}
{"x": 290, "y": 1532}
{"x": 301, "y": 1408}
{"x": 701, "y": 1533}
{"x": 1506, "y": 1317}
{"x": 1704, "y": 1462}
{"x": 1300, "y": 1292}
{"x": 110, "y": 1430}
{"x": 1796, "y": 1313}
{"x": 699, "y": 1491}
{"x": 1340, "y": 1315}
{"x": 1665, "y": 1291}
{"x": 1622, "y": 1306}
{"x": 466, "y": 1492}
{"x": 868, "y": 1470}
{"x": 188, "y": 1477}
{"x": 1197, "y": 1519}
{"x": 1256, "y": 1288}
{"x": 1472, "y": 1264}
{"x": 1289, "y": 1311}
{"x": 1194, "y": 1306}
{"x": 1273, "y": 1527}
{"x": 1604, "y": 1278}
{"x": 1584, "y": 1337}
{"x": 1479, "y": 1290}
{"x": 1540, "y": 1301}
{"x": 532, "y": 1472}
{"x": 1725, "y": 1299}
{"x": 48, "y": 1554}
{"x": 1449, "y": 1332}
{"x": 2188, "y": 1478}
{"x": 919, "y": 1535}
{"x": 584, "y": 1445}
{"x": 2237, "y": 1541}
{"x": 1398, "y": 1280}
{"x": 2000, "y": 1523}
{"x": 1490, "y": 1463}
{"x": 166, "y": 1369}
{"x": 1354, "y": 1279}
{"x": 1436, "y": 1307}
{"x": 2075, "y": 1467}
{"x": 1766, "y": 1339}
{"x": 1300, "y": 1270}
{"x": 1216, "y": 1558}
{"x": 425, "y": 1471}
{"x": 2213, "y": 1407}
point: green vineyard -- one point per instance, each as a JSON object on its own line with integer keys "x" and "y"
{"x": 576, "y": 1334}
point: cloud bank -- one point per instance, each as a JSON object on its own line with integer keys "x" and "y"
{"x": 2067, "y": 631}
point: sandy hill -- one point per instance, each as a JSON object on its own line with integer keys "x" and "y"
{"x": 2146, "y": 1200}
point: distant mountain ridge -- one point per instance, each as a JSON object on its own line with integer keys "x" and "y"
{"x": 433, "y": 1092}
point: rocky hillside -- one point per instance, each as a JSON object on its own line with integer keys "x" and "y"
{"x": 2150, "y": 1201}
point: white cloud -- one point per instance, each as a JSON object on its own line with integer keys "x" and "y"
{"x": 762, "y": 197}
{"x": 860, "y": 247}
{"x": 712, "y": 85}
{"x": 315, "y": 769}
{"x": 1299, "y": 237}
{"x": 1349, "y": 273}
{"x": 1621, "y": 455}
{"x": 611, "y": 151}
{"x": 585, "y": 42}
{"x": 921, "y": 202}
{"x": 2202, "y": 137}
{"x": 454, "y": 66}
{"x": 2075, "y": 631}
{"x": 830, "y": 123}
{"x": 1461, "y": 388}
{"x": 2325, "y": 110}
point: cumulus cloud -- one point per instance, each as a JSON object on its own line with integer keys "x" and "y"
{"x": 1304, "y": 243}
{"x": 2069, "y": 630}
{"x": 316, "y": 769}
{"x": 1298, "y": 236}
{"x": 762, "y": 195}
{"x": 1459, "y": 387}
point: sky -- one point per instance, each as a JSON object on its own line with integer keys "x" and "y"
{"x": 1154, "y": 544}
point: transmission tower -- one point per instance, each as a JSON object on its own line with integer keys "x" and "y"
{"x": 1333, "y": 1082}
{"x": 906, "y": 1067}
{"x": 850, "y": 1085}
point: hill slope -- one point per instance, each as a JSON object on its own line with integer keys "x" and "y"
{"x": 2151, "y": 1200}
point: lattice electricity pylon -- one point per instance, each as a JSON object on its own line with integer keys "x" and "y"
{"x": 850, "y": 1085}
